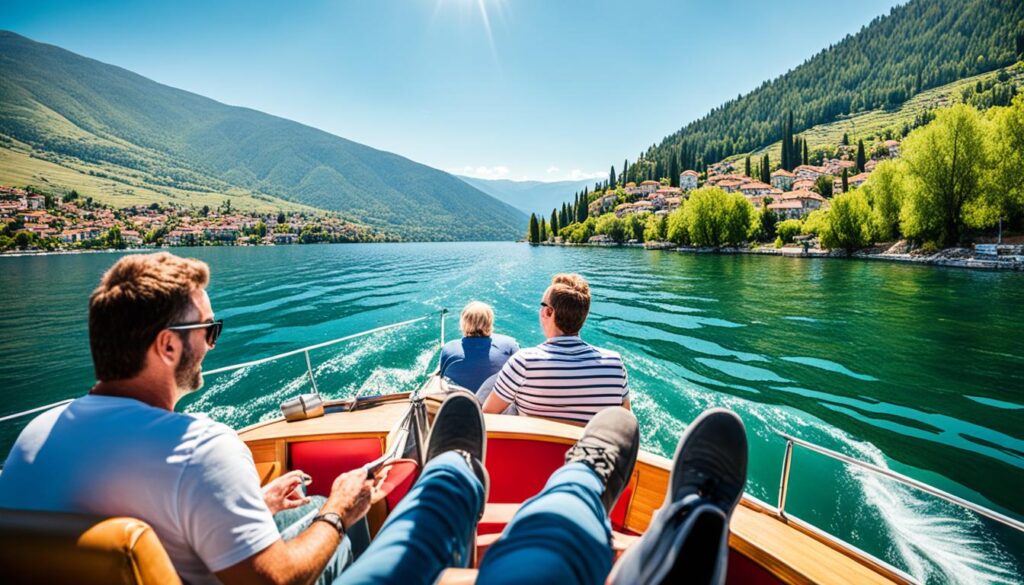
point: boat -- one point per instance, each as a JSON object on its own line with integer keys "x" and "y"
{"x": 327, "y": 437}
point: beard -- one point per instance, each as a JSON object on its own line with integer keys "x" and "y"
{"x": 189, "y": 373}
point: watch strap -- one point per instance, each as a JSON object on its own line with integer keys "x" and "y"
{"x": 332, "y": 519}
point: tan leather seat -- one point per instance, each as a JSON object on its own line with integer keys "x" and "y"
{"x": 55, "y": 547}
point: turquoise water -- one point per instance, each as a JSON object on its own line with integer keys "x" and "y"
{"x": 919, "y": 369}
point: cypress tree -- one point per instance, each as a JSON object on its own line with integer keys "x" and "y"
{"x": 784, "y": 153}
{"x": 846, "y": 180}
{"x": 554, "y": 223}
{"x": 846, "y": 137}
{"x": 861, "y": 157}
{"x": 624, "y": 177}
{"x": 611, "y": 177}
{"x": 673, "y": 170}
{"x": 534, "y": 229}
{"x": 807, "y": 157}
{"x": 766, "y": 169}
{"x": 581, "y": 210}
{"x": 747, "y": 167}
{"x": 543, "y": 230}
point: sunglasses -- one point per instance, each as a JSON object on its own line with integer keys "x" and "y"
{"x": 213, "y": 329}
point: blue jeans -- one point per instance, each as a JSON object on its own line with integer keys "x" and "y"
{"x": 560, "y": 536}
{"x": 290, "y": 523}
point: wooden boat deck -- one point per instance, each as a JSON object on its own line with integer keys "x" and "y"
{"x": 788, "y": 552}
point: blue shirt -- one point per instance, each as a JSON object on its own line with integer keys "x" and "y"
{"x": 471, "y": 360}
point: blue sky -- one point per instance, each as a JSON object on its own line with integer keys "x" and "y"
{"x": 538, "y": 89}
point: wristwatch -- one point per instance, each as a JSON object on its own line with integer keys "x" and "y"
{"x": 334, "y": 520}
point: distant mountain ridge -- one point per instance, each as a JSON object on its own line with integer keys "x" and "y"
{"x": 66, "y": 105}
{"x": 529, "y": 196}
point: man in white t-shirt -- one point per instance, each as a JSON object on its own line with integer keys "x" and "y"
{"x": 121, "y": 450}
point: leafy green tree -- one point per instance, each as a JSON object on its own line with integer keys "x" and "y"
{"x": 717, "y": 218}
{"x": 767, "y": 219}
{"x": 676, "y": 229}
{"x": 611, "y": 226}
{"x": 1006, "y": 185}
{"x": 947, "y": 160}
{"x": 113, "y": 238}
{"x": 814, "y": 222}
{"x": 261, "y": 228}
{"x": 788, "y": 229}
{"x": 823, "y": 186}
{"x": 861, "y": 157}
{"x": 848, "y": 226}
{"x": 656, "y": 228}
{"x": 534, "y": 235}
{"x": 634, "y": 226}
{"x": 886, "y": 190}
{"x": 24, "y": 239}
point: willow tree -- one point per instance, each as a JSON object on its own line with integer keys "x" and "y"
{"x": 947, "y": 161}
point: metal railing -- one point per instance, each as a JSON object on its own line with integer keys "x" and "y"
{"x": 303, "y": 350}
{"x": 787, "y": 461}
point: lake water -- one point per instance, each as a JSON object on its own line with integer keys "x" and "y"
{"x": 918, "y": 369}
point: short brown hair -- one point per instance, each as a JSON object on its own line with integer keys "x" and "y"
{"x": 137, "y": 298}
{"x": 477, "y": 320}
{"x": 569, "y": 297}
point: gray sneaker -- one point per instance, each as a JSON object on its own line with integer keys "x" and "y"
{"x": 459, "y": 426}
{"x": 609, "y": 446}
{"x": 711, "y": 460}
{"x": 687, "y": 540}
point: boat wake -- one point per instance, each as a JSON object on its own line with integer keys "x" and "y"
{"x": 932, "y": 540}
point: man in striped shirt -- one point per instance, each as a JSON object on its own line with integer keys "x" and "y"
{"x": 564, "y": 378}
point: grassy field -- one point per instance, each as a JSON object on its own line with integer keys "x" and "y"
{"x": 869, "y": 125}
{"x": 117, "y": 186}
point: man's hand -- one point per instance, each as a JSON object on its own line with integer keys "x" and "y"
{"x": 283, "y": 493}
{"x": 351, "y": 496}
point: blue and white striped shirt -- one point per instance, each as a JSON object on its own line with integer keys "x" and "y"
{"x": 563, "y": 378}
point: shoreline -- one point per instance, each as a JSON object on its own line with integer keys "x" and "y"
{"x": 949, "y": 257}
{"x": 964, "y": 258}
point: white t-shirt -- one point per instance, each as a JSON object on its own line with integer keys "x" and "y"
{"x": 193, "y": 480}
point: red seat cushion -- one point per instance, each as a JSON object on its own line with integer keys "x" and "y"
{"x": 519, "y": 468}
{"x": 326, "y": 460}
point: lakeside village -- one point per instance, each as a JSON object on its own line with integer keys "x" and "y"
{"x": 36, "y": 221}
{"x": 951, "y": 193}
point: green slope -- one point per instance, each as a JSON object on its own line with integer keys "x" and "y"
{"x": 84, "y": 114}
{"x": 918, "y": 46}
{"x": 876, "y": 123}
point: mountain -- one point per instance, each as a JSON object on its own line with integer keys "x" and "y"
{"x": 920, "y": 45}
{"x": 529, "y": 196}
{"x": 101, "y": 120}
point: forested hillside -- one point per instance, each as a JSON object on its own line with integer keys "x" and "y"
{"x": 101, "y": 120}
{"x": 920, "y": 45}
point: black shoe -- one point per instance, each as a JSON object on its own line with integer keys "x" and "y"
{"x": 711, "y": 460}
{"x": 459, "y": 426}
{"x": 609, "y": 446}
{"x": 687, "y": 540}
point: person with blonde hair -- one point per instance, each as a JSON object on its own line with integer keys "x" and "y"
{"x": 480, "y": 354}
